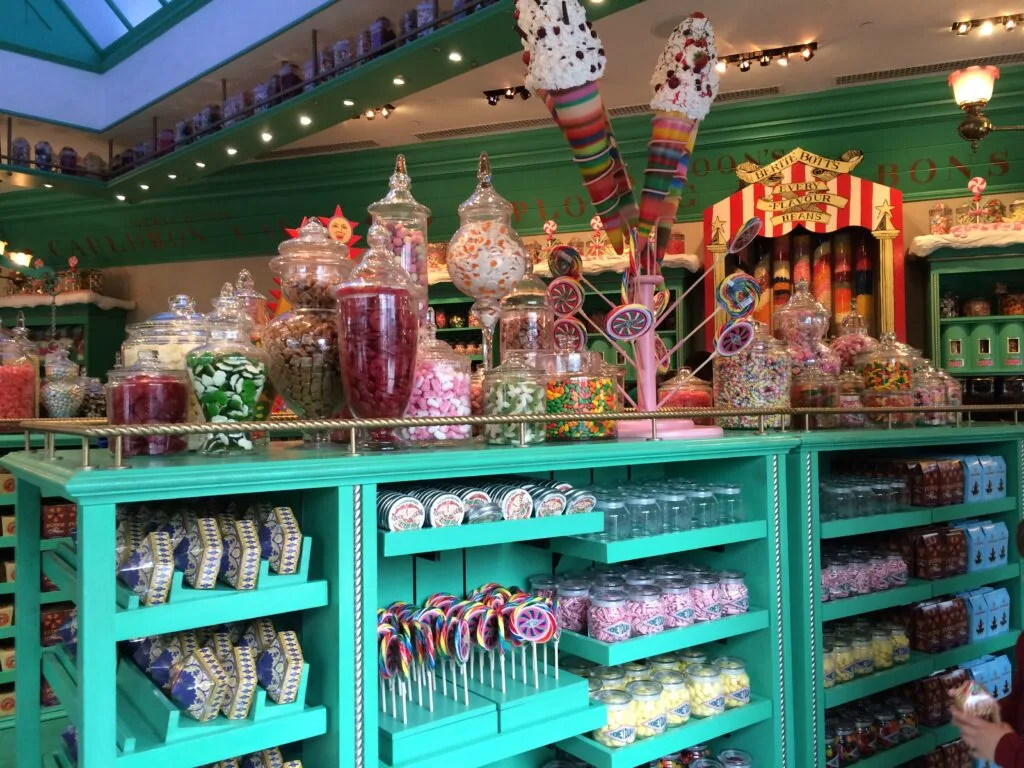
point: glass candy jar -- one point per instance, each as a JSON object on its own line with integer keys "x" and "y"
{"x": 853, "y": 339}
{"x": 19, "y": 380}
{"x": 378, "y": 323}
{"x": 148, "y": 392}
{"x": 888, "y": 382}
{"x": 577, "y": 384}
{"x": 814, "y": 389}
{"x": 63, "y": 390}
{"x": 929, "y": 390}
{"x": 527, "y": 319}
{"x": 684, "y": 390}
{"x": 94, "y": 406}
{"x": 707, "y": 695}
{"x": 227, "y": 374}
{"x": 514, "y": 388}
{"x": 486, "y": 257}
{"x": 851, "y": 385}
{"x": 954, "y": 394}
{"x": 405, "y": 220}
{"x": 302, "y": 345}
{"x": 758, "y": 377}
{"x": 441, "y": 387}
{"x": 802, "y": 321}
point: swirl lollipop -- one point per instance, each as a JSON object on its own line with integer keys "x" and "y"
{"x": 629, "y": 322}
{"x": 564, "y": 261}
{"x": 738, "y": 295}
{"x": 565, "y": 295}
{"x": 535, "y": 624}
{"x": 570, "y": 334}
{"x": 734, "y": 338}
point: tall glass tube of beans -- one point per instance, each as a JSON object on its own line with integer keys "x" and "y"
{"x": 228, "y": 374}
{"x": 378, "y": 322}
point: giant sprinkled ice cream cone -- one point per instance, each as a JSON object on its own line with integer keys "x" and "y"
{"x": 684, "y": 84}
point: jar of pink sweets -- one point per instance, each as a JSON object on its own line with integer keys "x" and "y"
{"x": 860, "y": 576}
{"x": 607, "y": 617}
{"x": 707, "y": 598}
{"x": 735, "y": 596}
{"x": 148, "y": 392}
{"x": 646, "y": 615}
{"x": 19, "y": 381}
{"x": 573, "y": 605}
{"x": 879, "y": 573}
{"x": 543, "y": 585}
{"x": 896, "y": 569}
{"x": 676, "y": 603}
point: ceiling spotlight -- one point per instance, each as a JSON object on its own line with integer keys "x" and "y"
{"x": 721, "y": 66}
{"x": 48, "y": 186}
{"x": 783, "y": 60}
{"x": 962, "y": 27}
{"x": 1009, "y": 23}
{"x": 986, "y": 27}
{"x": 348, "y": 103}
{"x": 524, "y": 94}
{"x": 765, "y": 60}
{"x": 122, "y": 198}
{"x": 745, "y": 65}
{"x": 305, "y": 120}
{"x": 172, "y": 176}
{"x": 398, "y": 80}
{"x": 370, "y": 114}
{"x": 807, "y": 52}
{"x": 144, "y": 187}
{"x": 455, "y": 56}
{"x": 386, "y": 110}
{"x": 510, "y": 93}
{"x": 267, "y": 137}
{"x": 231, "y": 151}
{"x": 200, "y": 165}
{"x": 492, "y": 99}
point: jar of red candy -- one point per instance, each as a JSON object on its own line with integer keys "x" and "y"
{"x": 441, "y": 388}
{"x": 405, "y": 220}
{"x": 860, "y": 583}
{"x": 608, "y": 617}
{"x": 684, "y": 390}
{"x": 851, "y": 385}
{"x": 377, "y": 326}
{"x": 813, "y": 388}
{"x": 573, "y": 605}
{"x": 846, "y": 744}
{"x": 19, "y": 380}
{"x": 888, "y": 729}
{"x": 676, "y": 603}
{"x": 646, "y": 615}
{"x": 527, "y": 321}
{"x": 866, "y": 735}
{"x": 879, "y": 573}
{"x": 148, "y": 392}
{"x": 735, "y": 595}
{"x": 707, "y": 598}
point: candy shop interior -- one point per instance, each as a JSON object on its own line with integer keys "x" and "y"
{"x": 404, "y": 384}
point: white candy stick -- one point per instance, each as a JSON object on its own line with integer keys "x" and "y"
{"x": 491, "y": 655}
{"x": 383, "y": 697}
{"x": 455, "y": 684}
{"x": 394, "y": 702}
{"x": 465, "y": 685}
{"x": 419, "y": 684}
{"x": 522, "y": 658}
{"x": 556, "y": 657}
{"x": 536, "y": 679}
{"x": 405, "y": 712}
{"x": 444, "y": 679}
{"x": 513, "y": 659}
{"x": 431, "y": 684}
{"x": 501, "y": 661}
{"x": 545, "y": 658}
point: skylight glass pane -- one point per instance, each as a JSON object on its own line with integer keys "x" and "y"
{"x": 97, "y": 18}
{"x": 137, "y": 11}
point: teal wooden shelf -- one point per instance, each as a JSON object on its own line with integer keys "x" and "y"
{"x": 909, "y": 518}
{"x": 6, "y": 587}
{"x": 697, "y": 731}
{"x": 916, "y": 589}
{"x": 7, "y": 677}
{"x": 900, "y": 754}
{"x": 977, "y": 579}
{"x": 982, "y": 319}
{"x": 59, "y": 596}
{"x": 920, "y": 665}
{"x": 451, "y": 719}
{"x": 956, "y": 656}
{"x": 977, "y": 509}
{"x": 7, "y": 499}
{"x": 45, "y": 714}
{"x": 666, "y": 544}
{"x": 486, "y": 534}
{"x": 48, "y": 545}
{"x": 943, "y": 734}
{"x": 609, "y": 654}
{"x": 8, "y": 541}
{"x": 6, "y": 633}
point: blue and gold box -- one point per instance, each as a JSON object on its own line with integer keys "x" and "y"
{"x": 177, "y": 648}
{"x": 240, "y": 668}
{"x": 200, "y": 686}
{"x": 281, "y": 540}
{"x": 200, "y": 552}
{"x": 240, "y": 564}
{"x": 149, "y": 569}
{"x": 259, "y": 635}
{"x": 279, "y": 668}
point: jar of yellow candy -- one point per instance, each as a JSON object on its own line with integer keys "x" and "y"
{"x": 612, "y": 678}
{"x": 707, "y": 696}
{"x": 845, "y": 663}
{"x": 648, "y": 708}
{"x": 675, "y": 695}
{"x": 864, "y": 655}
{"x": 882, "y": 647}
{"x": 689, "y": 656}
{"x": 900, "y": 644}
{"x": 637, "y": 670}
{"x": 665, "y": 662}
{"x": 735, "y": 681}
{"x": 620, "y": 730}
{"x": 828, "y": 667}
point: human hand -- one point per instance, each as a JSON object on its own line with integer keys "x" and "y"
{"x": 980, "y": 735}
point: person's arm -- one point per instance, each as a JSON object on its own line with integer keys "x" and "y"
{"x": 1010, "y": 751}
{"x": 1009, "y": 706}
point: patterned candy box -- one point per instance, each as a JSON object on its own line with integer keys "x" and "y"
{"x": 279, "y": 668}
{"x": 281, "y": 540}
{"x": 221, "y": 644}
{"x": 231, "y": 762}
{"x": 200, "y": 552}
{"x": 259, "y": 635}
{"x": 149, "y": 569}
{"x": 240, "y": 668}
{"x": 70, "y": 738}
{"x": 177, "y": 648}
{"x": 268, "y": 758}
{"x": 200, "y": 686}
{"x": 68, "y": 634}
{"x": 176, "y": 526}
{"x": 240, "y": 564}
{"x": 148, "y": 650}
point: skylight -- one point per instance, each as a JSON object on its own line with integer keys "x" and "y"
{"x": 107, "y": 21}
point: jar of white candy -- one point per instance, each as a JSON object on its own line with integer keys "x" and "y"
{"x": 707, "y": 696}
{"x": 675, "y": 695}
{"x": 648, "y": 708}
{"x": 440, "y": 388}
{"x": 735, "y": 681}
{"x": 514, "y": 388}
{"x": 620, "y": 729}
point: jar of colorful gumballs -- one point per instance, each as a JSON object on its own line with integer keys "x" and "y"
{"x": 148, "y": 392}
{"x": 441, "y": 388}
{"x": 888, "y": 382}
{"x": 527, "y": 321}
{"x": 63, "y": 390}
{"x": 576, "y": 384}
{"x": 684, "y": 390}
{"x": 515, "y": 388}
{"x": 757, "y": 377}
{"x": 19, "y": 381}
{"x": 405, "y": 220}
{"x": 812, "y": 388}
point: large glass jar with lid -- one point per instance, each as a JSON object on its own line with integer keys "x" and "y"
{"x": 302, "y": 345}
{"x": 441, "y": 388}
{"x": 929, "y": 390}
{"x": 405, "y": 220}
{"x": 227, "y": 374}
{"x": 378, "y": 323}
{"x": 19, "y": 381}
{"x": 527, "y": 319}
{"x": 684, "y": 390}
{"x": 172, "y": 333}
{"x": 802, "y": 321}
{"x": 148, "y": 392}
{"x": 254, "y": 307}
{"x": 514, "y": 388}
{"x": 888, "y": 382}
{"x": 63, "y": 390}
{"x": 577, "y": 384}
{"x": 486, "y": 257}
{"x": 757, "y": 377}
{"x": 853, "y": 339}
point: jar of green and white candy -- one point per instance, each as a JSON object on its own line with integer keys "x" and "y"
{"x": 514, "y": 389}
{"x": 227, "y": 374}
{"x": 63, "y": 390}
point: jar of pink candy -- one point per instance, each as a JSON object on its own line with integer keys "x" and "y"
{"x": 836, "y": 574}
{"x": 405, "y": 220}
{"x": 879, "y": 573}
{"x": 707, "y": 599}
{"x": 19, "y": 381}
{"x": 860, "y": 576}
{"x": 802, "y": 321}
{"x": 543, "y": 585}
{"x": 573, "y": 605}
{"x": 607, "y": 617}
{"x": 896, "y": 569}
{"x": 646, "y": 615}
{"x": 735, "y": 596}
{"x": 676, "y": 603}
{"x": 853, "y": 339}
{"x": 441, "y": 387}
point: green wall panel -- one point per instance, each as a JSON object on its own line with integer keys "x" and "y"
{"x": 906, "y": 129}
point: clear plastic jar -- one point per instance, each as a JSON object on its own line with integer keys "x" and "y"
{"x": 645, "y": 514}
{"x": 543, "y": 585}
{"x": 707, "y": 695}
{"x": 312, "y": 267}
{"x": 863, "y": 655}
{"x": 929, "y": 390}
{"x": 663, "y": 662}
{"x": 735, "y": 595}
{"x": 757, "y": 377}
{"x": 441, "y": 388}
{"x": 878, "y": 573}
{"x": 94, "y": 406}
{"x": 703, "y": 507}
{"x": 676, "y": 603}
{"x": 514, "y": 388}
{"x": 897, "y": 570}
{"x": 227, "y": 374}
{"x": 63, "y": 390}
{"x": 847, "y": 750}
{"x": 851, "y": 385}
{"x": 729, "y": 499}
{"x": 405, "y": 221}
{"x": 618, "y": 525}
{"x": 866, "y": 735}
{"x": 814, "y": 389}
{"x": 620, "y": 728}
{"x": 675, "y": 697}
{"x": 845, "y": 661}
{"x": 378, "y": 324}
{"x": 907, "y": 717}
{"x": 646, "y": 615}
{"x": 527, "y": 320}
{"x": 900, "y": 644}
{"x": 147, "y": 392}
{"x": 684, "y": 390}
{"x": 735, "y": 758}
{"x": 689, "y": 656}
{"x": 707, "y": 599}
{"x": 612, "y": 678}
{"x": 637, "y": 670}
{"x": 802, "y": 321}
{"x": 19, "y": 381}
{"x": 576, "y": 384}
{"x": 853, "y": 339}
{"x": 573, "y": 605}
{"x": 889, "y": 734}
{"x": 735, "y": 681}
{"x": 882, "y": 648}
{"x": 676, "y": 513}
{"x": 648, "y": 708}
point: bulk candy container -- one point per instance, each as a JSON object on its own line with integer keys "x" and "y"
{"x": 148, "y": 392}
{"x": 441, "y": 387}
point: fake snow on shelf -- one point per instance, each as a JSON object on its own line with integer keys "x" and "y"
{"x": 998, "y": 235}
{"x": 22, "y": 301}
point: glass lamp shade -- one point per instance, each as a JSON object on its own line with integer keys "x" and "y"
{"x": 973, "y": 84}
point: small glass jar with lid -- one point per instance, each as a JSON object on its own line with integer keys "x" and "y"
{"x": 735, "y": 681}
{"x": 573, "y": 604}
{"x": 607, "y": 616}
{"x": 148, "y": 392}
{"x": 227, "y": 374}
{"x": 676, "y": 513}
{"x": 707, "y": 597}
{"x": 637, "y": 670}
{"x": 94, "y": 406}
{"x": 527, "y": 320}
{"x": 405, "y": 221}
{"x": 813, "y": 388}
{"x": 802, "y": 321}
{"x": 866, "y": 734}
{"x": 851, "y": 385}
{"x": 619, "y": 729}
{"x": 63, "y": 390}
{"x": 689, "y": 656}
{"x": 900, "y": 644}
{"x": 888, "y": 382}
{"x": 543, "y": 585}
{"x": 675, "y": 696}
{"x": 734, "y": 593}
{"x": 645, "y": 514}
{"x": 577, "y": 384}
{"x": 888, "y": 729}
{"x": 664, "y": 662}
{"x": 929, "y": 390}
{"x": 735, "y": 758}
{"x": 648, "y": 707}
{"x": 441, "y": 388}
{"x": 907, "y": 717}
{"x": 515, "y": 388}
{"x": 684, "y": 390}
{"x": 757, "y": 377}
{"x": 846, "y": 744}
{"x": 703, "y": 507}
{"x": 378, "y": 325}
{"x": 863, "y": 655}
{"x": 19, "y": 377}
{"x": 707, "y": 695}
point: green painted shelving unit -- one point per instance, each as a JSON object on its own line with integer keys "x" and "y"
{"x": 813, "y": 460}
